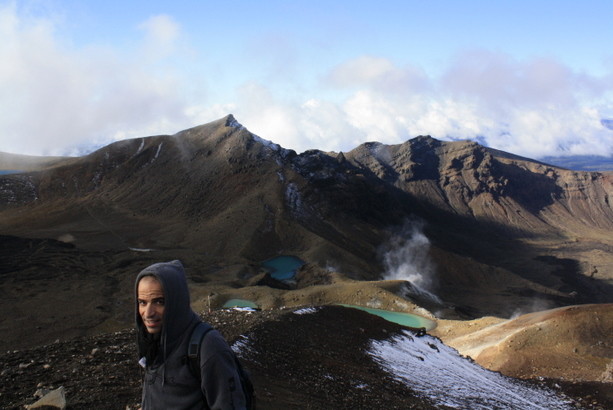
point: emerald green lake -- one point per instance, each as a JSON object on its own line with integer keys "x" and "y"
{"x": 405, "y": 319}
{"x": 240, "y": 303}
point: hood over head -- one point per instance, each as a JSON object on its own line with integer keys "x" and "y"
{"x": 178, "y": 314}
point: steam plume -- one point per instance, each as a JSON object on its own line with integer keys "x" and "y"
{"x": 406, "y": 257}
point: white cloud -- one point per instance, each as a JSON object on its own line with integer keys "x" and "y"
{"x": 297, "y": 125}
{"x": 379, "y": 74}
{"x": 327, "y": 126}
{"x": 56, "y": 97}
{"x": 499, "y": 80}
{"x": 533, "y": 108}
{"x": 161, "y": 36}
{"x": 378, "y": 117}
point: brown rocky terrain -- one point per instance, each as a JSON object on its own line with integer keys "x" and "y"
{"x": 571, "y": 343}
{"x": 506, "y": 235}
{"x": 295, "y": 362}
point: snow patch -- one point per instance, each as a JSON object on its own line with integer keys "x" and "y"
{"x": 157, "y": 153}
{"x": 140, "y": 148}
{"x": 242, "y": 347}
{"x": 281, "y": 152}
{"x": 269, "y": 144}
{"x": 241, "y": 344}
{"x": 293, "y": 198}
{"x": 234, "y": 124}
{"x": 433, "y": 369}
{"x": 244, "y": 309}
{"x": 305, "y": 311}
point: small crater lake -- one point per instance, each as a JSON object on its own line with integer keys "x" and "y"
{"x": 283, "y": 267}
{"x": 241, "y": 303}
{"x": 404, "y": 319}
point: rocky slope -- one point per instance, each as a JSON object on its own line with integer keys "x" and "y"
{"x": 296, "y": 362}
{"x": 571, "y": 342}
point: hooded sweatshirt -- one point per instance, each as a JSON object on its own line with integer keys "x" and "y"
{"x": 168, "y": 382}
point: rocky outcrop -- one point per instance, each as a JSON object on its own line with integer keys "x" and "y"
{"x": 470, "y": 180}
{"x": 52, "y": 399}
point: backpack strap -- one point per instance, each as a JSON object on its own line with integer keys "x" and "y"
{"x": 193, "y": 358}
{"x": 193, "y": 349}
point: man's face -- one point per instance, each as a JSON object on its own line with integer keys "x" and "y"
{"x": 151, "y": 303}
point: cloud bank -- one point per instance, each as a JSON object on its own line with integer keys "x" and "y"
{"x": 58, "y": 98}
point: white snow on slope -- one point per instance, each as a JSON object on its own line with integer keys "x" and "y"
{"x": 140, "y": 148}
{"x": 271, "y": 145}
{"x": 428, "y": 366}
{"x": 241, "y": 345}
{"x": 232, "y": 122}
{"x": 157, "y": 153}
{"x": 305, "y": 311}
{"x": 294, "y": 199}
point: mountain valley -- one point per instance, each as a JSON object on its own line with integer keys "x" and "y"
{"x": 513, "y": 258}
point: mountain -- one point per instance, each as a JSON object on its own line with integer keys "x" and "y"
{"x": 607, "y": 123}
{"x": 24, "y": 163}
{"x": 464, "y": 230}
{"x": 582, "y": 162}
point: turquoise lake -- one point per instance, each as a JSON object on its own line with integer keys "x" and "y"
{"x": 405, "y": 319}
{"x": 240, "y": 303}
{"x": 283, "y": 267}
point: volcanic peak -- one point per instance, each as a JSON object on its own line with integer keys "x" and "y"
{"x": 232, "y": 122}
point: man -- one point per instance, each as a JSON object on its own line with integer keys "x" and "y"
{"x": 165, "y": 321}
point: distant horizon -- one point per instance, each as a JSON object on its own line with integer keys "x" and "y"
{"x": 531, "y": 78}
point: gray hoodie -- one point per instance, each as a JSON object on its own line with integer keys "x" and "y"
{"x": 168, "y": 381}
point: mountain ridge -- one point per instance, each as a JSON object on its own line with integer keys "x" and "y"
{"x": 451, "y": 174}
{"x": 503, "y": 231}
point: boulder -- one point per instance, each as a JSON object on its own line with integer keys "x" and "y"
{"x": 55, "y": 398}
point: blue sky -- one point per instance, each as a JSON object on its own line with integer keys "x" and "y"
{"x": 529, "y": 77}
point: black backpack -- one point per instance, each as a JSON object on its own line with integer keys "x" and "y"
{"x": 193, "y": 352}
